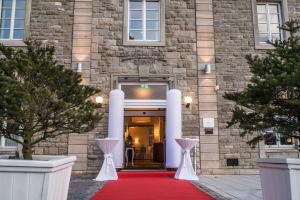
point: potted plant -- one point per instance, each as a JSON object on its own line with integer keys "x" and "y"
{"x": 40, "y": 99}
{"x": 272, "y": 101}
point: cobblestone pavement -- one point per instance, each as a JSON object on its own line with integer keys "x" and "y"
{"x": 83, "y": 187}
{"x": 233, "y": 187}
{"x": 212, "y": 193}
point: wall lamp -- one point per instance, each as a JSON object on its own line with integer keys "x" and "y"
{"x": 207, "y": 68}
{"x": 99, "y": 99}
{"x": 188, "y": 100}
{"x": 79, "y": 67}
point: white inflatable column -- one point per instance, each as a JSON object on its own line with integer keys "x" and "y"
{"x": 116, "y": 125}
{"x": 173, "y": 128}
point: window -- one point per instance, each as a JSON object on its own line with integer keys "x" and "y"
{"x": 4, "y": 142}
{"x": 274, "y": 139}
{"x": 12, "y": 19}
{"x": 7, "y": 142}
{"x": 144, "y": 20}
{"x": 269, "y": 20}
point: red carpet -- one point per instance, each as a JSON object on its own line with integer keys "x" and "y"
{"x": 150, "y": 186}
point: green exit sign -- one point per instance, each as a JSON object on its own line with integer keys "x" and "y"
{"x": 144, "y": 86}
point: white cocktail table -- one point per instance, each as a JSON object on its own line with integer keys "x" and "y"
{"x": 108, "y": 171}
{"x": 186, "y": 170}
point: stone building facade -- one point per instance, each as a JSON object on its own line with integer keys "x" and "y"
{"x": 197, "y": 35}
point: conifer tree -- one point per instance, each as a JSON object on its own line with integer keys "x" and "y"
{"x": 40, "y": 98}
{"x": 272, "y": 98}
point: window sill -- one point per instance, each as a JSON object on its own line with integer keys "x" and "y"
{"x": 13, "y": 43}
{"x": 8, "y": 149}
{"x": 279, "y": 149}
{"x": 264, "y": 47}
{"x": 144, "y": 43}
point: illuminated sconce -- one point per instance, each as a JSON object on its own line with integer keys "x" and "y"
{"x": 207, "y": 68}
{"x": 79, "y": 67}
{"x": 136, "y": 140}
{"x": 188, "y": 100}
{"x": 99, "y": 99}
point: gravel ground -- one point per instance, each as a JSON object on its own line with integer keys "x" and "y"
{"x": 83, "y": 187}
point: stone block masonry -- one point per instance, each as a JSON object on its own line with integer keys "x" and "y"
{"x": 81, "y": 55}
{"x": 234, "y": 39}
{"x": 51, "y": 22}
{"x": 176, "y": 60}
{"x": 209, "y": 143}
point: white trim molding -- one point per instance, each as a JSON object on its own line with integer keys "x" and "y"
{"x": 145, "y": 104}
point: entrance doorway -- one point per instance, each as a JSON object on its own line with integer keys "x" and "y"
{"x": 144, "y": 140}
{"x": 170, "y": 112}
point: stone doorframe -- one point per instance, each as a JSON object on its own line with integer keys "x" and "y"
{"x": 173, "y": 125}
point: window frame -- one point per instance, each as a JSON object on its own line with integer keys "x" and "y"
{"x": 4, "y": 140}
{"x": 278, "y": 144}
{"x": 283, "y": 18}
{"x": 4, "y": 147}
{"x": 18, "y": 42}
{"x": 127, "y": 42}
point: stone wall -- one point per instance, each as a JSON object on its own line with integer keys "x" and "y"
{"x": 294, "y": 8}
{"x": 209, "y": 147}
{"x": 234, "y": 39}
{"x": 176, "y": 59}
{"x": 51, "y": 22}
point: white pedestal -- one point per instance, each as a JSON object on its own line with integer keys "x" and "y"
{"x": 280, "y": 178}
{"x": 186, "y": 170}
{"x": 108, "y": 171}
{"x": 43, "y": 178}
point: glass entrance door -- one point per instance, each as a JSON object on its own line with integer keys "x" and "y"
{"x": 144, "y": 142}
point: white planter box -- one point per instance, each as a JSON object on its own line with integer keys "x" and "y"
{"x": 280, "y": 178}
{"x": 44, "y": 178}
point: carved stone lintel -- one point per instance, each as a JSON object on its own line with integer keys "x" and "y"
{"x": 143, "y": 70}
{"x": 147, "y": 61}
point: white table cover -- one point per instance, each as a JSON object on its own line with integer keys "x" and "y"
{"x": 108, "y": 171}
{"x": 186, "y": 170}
